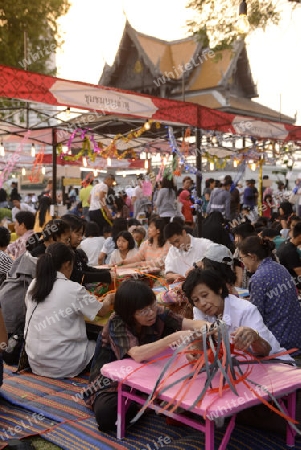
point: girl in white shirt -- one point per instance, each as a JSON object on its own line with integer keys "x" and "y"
{"x": 125, "y": 248}
{"x": 55, "y": 331}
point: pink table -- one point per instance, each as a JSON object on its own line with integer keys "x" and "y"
{"x": 280, "y": 379}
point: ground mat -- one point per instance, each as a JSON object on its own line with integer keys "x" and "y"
{"x": 70, "y": 425}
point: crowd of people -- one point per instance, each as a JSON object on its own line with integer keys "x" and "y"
{"x": 240, "y": 248}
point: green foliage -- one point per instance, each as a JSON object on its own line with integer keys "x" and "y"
{"x": 220, "y": 17}
{"x": 39, "y": 19}
{"x": 5, "y": 212}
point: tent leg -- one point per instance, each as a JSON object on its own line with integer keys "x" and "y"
{"x": 54, "y": 166}
{"x": 199, "y": 216}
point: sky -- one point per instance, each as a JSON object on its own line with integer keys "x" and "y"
{"x": 92, "y": 30}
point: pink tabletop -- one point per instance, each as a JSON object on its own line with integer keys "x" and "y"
{"x": 278, "y": 378}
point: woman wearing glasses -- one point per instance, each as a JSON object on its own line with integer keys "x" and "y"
{"x": 139, "y": 329}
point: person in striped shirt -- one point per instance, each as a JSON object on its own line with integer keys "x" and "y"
{"x": 5, "y": 260}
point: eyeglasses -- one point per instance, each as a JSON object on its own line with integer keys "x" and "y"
{"x": 146, "y": 311}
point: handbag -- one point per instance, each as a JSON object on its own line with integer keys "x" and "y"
{"x": 23, "y": 359}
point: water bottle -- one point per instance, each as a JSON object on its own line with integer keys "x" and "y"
{"x": 12, "y": 342}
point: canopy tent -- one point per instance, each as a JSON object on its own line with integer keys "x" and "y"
{"x": 33, "y": 87}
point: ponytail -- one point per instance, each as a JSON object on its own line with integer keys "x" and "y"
{"x": 48, "y": 265}
{"x": 255, "y": 245}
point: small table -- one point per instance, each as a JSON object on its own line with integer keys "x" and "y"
{"x": 280, "y": 379}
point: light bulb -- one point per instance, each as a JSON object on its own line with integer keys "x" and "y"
{"x": 253, "y": 167}
{"x": 23, "y": 171}
{"x": 109, "y": 162}
{"x": 164, "y": 161}
{"x": 147, "y": 125}
{"x": 214, "y": 140}
{"x": 43, "y": 170}
{"x": 33, "y": 150}
{"x": 146, "y": 164}
{"x": 2, "y": 152}
{"x": 211, "y": 166}
{"x": 65, "y": 149}
{"x": 235, "y": 163}
{"x": 95, "y": 173}
{"x": 85, "y": 161}
{"x": 242, "y": 25}
{"x": 67, "y": 111}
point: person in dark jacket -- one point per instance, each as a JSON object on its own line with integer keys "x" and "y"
{"x": 82, "y": 273}
{"x": 213, "y": 228}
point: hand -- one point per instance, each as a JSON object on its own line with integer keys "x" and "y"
{"x": 109, "y": 300}
{"x": 244, "y": 337}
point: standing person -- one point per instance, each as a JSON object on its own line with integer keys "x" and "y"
{"x": 166, "y": 200}
{"x": 99, "y": 211}
{"x": 72, "y": 195}
{"x": 214, "y": 229}
{"x": 235, "y": 198}
{"x": 3, "y": 198}
{"x": 139, "y": 329}
{"x": 84, "y": 195}
{"x": 273, "y": 291}
{"x": 18, "y": 206}
{"x": 250, "y": 194}
{"x": 43, "y": 215}
{"x": 220, "y": 199}
{"x": 109, "y": 245}
{"x": 24, "y": 229}
{"x": 185, "y": 200}
{"x": 56, "y": 342}
{"x": 14, "y": 192}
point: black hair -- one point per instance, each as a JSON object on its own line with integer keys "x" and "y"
{"x": 208, "y": 182}
{"x": 257, "y": 246}
{"x": 15, "y": 196}
{"x": 44, "y": 206}
{"x": 128, "y": 237}
{"x": 270, "y": 232}
{"x": 287, "y": 209}
{"x": 293, "y": 218}
{"x": 262, "y": 222}
{"x": 92, "y": 229}
{"x": 3, "y": 195}
{"x": 4, "y": 237}
{"x": 47, "y": 266}
{"x": 169, "y": 184}
{"x": 27, "y": 218}
{"x": 160, "y": 225}
{"x": 76, "y": 223}
{"x": 55, "y": 228}
{"x": 222, "y": 269}
{"x": 119, "y": 225}
{"x": 106, "y": 228}
{"x": 208, "y": 277}
{"x": 244, "y": 230}
{"x": 172, "y": 228}
{"x": 133, "y": 222}
{"x": 131, "y": 296}
{"x": 297, "y": 230}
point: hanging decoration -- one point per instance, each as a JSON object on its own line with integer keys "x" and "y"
{"x": 173, "y": 144}
{"x": 185, "y": 142}
{"x": 13, "y": 160}
{"x": 37, "y": 165}
{"x": 91, "y": 149}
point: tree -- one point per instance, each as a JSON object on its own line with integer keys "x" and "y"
{"x": 38, "y": 20}
{"x": 220, "y": 19}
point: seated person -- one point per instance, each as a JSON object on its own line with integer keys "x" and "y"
{"x": 125, "y": 248}
{"x": 93, "y": 242}
{"x": 55, "y": 230}
{"x": 119, "y": 225}
{"x": 153, "y": 251}
{"x": 184, "y": 251}
{"x": 208, "y": 293}
{"x": 288, "y": 253}
{"x": 82, "y": 273}
{"x": 138, "y": 233}
{"x": 273, "y": 234}
{"x": 5, "y": 261}
{"x": 55, "y": 329}
{"x": 24, "y": 229}
{"x": 139, "y": 329}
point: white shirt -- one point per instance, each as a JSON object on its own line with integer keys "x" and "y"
{"x": 179, "y": 260}
{"x": 92, "y": 247}
{"x": 57, "y": 343}
{"x": 115, "y": 257}
{"x": 242, "y": 313}
{"x": 95, "y": 202}
{"x": 23, "y": 207}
